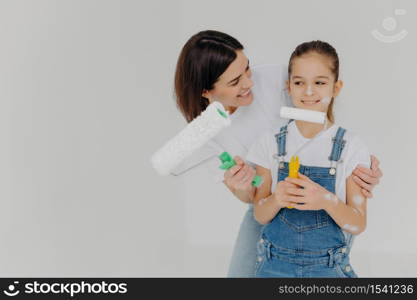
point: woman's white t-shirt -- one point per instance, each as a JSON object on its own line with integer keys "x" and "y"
{"x": 316, "y": 153}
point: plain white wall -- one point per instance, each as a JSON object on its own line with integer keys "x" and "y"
{"x": 86, "y": 98}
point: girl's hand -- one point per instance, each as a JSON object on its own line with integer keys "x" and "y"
{"x": 313, "y": 195}
{"x": 240, "y": 176}
{"x": 282, "y": 194}
{"x": 366, "y": 178}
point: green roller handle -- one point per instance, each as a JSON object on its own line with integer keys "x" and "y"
{"x": 228, "y": 162}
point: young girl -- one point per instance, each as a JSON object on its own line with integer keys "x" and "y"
{"x": 310, "y": 220}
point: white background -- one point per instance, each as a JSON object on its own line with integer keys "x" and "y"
{"x": 86, "y": 96}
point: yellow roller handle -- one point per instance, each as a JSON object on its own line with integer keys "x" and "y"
{"x": 293, "y": 169}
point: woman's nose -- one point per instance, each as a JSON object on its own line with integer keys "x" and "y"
{"x": 248, "y": 83}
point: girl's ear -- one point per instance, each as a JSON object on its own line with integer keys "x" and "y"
{"x": 337, "y": 88}
{"x": 287, "y": 86}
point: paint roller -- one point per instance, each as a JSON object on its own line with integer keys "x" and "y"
{"x": 302, "y": 115}
{"x": 197, "y": 133}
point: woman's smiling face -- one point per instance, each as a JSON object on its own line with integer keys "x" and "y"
{"x": 233, "y": 88}
{"x": 311, "y": 84}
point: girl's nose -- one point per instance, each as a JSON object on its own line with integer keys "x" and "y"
{"x": 309, "y": 91}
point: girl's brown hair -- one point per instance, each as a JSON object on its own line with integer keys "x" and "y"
{"x": 323, "y": 48}
{"x": 203, "y": 59}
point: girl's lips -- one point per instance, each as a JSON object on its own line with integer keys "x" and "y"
{"x": 310, "y": 102}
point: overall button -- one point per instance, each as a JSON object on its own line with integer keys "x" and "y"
{"x": 332, "y": 171}
{"x": 259, "y": 258}
{"x": 348, "y": 269}
{"x": 261, "y": 241}
{"x": 343, "y": 250}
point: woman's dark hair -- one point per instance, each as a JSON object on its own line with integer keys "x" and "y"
{"x": 203, "y": 59}
{"x": 323, "y": 48}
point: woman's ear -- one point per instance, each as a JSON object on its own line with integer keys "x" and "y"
{"x": 337, "y": 88}
{"x": 206, "y": 94}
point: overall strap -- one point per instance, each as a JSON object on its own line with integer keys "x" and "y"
{"x": 338, "y": 145}
{"x": 281, "y": 139}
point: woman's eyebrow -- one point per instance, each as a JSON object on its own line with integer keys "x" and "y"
{"x": 322, "y": 76}
{"x": 247, "y": 67}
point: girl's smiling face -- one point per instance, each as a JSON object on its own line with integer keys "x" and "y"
{"x": 312, "y": 84}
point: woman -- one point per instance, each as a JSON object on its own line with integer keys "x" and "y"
{"x": 213, "y": 67}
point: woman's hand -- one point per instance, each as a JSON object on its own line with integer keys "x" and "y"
{"x": 240, "y": 176}
{"x": 312, "y": 195}
{"x": 366, "y": 178}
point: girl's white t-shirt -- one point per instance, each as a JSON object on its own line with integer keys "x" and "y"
{"x": 247, "y": 122}
{"x": 316, "y": 153}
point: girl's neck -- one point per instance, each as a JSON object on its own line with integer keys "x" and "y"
{"x": 310, "y": 130}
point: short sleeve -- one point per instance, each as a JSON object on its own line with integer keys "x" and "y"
{"x": 358, "y": 154}
{"x": 260, "y": 152}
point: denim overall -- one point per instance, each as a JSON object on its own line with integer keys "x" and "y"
{"x": 305, "y": 243}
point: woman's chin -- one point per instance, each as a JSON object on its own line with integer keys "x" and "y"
{"x": 244, "y": 101}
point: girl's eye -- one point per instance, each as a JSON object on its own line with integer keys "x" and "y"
{"x": 234, "y": 84}
{"x": 320, "y": 83}
{"x": 298, "y": 83}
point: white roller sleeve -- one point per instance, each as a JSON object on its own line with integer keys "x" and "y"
{"x": 303, "y": 114}
{"x": 198, "y": 132}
